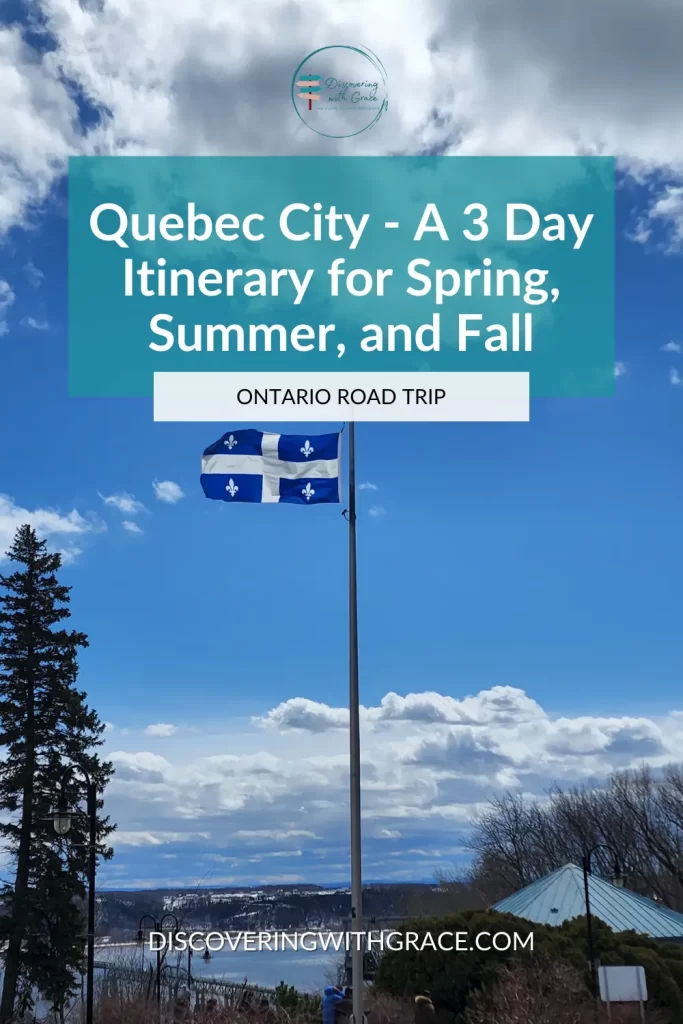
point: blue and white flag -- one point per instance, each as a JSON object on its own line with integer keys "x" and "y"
{"x": 254, "y": 465}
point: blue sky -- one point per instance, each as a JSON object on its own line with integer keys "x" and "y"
{"x": 532, "y": 568}
{"x": 541, "y": 556}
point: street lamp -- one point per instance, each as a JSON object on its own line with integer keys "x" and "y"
{"x": 157, "y": 926}
{"x": 618, "y": 881}
{"x": 62, "y": 819}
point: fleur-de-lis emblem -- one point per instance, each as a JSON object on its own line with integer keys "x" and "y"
{"x": 307, "y": 449}
{"x": 307, "y": 491}
{"x": 232, "y": 488}
{"x": 230, "y": 444}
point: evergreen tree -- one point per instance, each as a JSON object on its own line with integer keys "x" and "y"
{"x": 45, "y": 725}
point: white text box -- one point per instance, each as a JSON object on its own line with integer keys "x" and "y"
{"x": 323, "y": 397}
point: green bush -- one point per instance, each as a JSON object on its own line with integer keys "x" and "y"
{"x": 453, "y": 977}
{"x": 298, "y": 1004}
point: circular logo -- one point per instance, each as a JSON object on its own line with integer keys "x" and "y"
{"x": 340, "y": 91}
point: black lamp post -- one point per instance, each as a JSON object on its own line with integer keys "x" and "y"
{"x": 589, "y": 920}
{"x": 157, "y": 926}
{"x": 61, "y": 820}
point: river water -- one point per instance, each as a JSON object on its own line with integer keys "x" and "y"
{"x": 307, "y": 971}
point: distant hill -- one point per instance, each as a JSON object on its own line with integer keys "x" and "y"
{"x": 274, "y": 908}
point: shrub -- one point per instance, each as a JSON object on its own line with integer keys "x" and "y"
{"x": 539, "y": 993}
{"x": 454, "y": 978}
{"x": 384, "y": 1009}
{"x": 298, "y": 1005}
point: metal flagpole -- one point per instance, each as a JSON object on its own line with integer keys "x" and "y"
{"x": 358, "y": 945}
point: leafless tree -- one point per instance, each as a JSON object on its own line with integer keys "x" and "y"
{"x": 638, "y": 814}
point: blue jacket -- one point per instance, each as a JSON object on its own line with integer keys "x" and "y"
{"x": 331, "y": 997}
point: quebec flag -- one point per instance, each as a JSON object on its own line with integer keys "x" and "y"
{"x": 254, "y": 465}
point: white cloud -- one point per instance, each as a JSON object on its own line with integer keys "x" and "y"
{"x": 274, "y": 853}
{"x": 367, "y": 486}
{"x": 142, "y": 766}
{"x": 124, "y": 502}
{"x": 308, "y": 715}
{"x": 34, "y": 276}
{"x": 377, "y": 511}
{"x": 675, "y": 378}
{"x": 69, "y": 554}
{"x": 168, "y": 491}
{"x": 500, "y": 704}
{"x": 672, "y": 346}
{"x": 155, "y": 838}
{"x": 48, "y": 524}
{"x": 160, "y": 729}
{"x": 619, "y": 369}
{"x": 466, "y": 78}
{"x": 274, "y": 834}
{"x": 36, "y": 325}
{"x": 6, "y": 299}
{"x": 666, "y": 210}
{"x": 430, "y": 762}
{"x": 641, "y": 232}
{"x": 466, "y": 751}
{"x": 131, "y": 527}
{"x": 38, "y": 129}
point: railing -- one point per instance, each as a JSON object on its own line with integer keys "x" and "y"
{"x": 175, "y": 978}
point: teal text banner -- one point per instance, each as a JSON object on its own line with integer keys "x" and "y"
{"x": 341, "y": 264}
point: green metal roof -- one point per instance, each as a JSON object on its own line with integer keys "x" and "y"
{"x": 560, "y": 897}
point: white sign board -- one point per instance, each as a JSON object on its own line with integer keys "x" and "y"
{"x": 622, "y": 984}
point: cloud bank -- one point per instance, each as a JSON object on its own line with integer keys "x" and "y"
{"x": 431, "y": 762}
{"x": 520, "y": 77}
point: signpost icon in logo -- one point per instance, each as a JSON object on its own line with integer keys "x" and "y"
{"x": 340, "y": 91}
{"x": 311, "y": 86}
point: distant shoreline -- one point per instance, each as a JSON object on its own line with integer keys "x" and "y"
{"x": 294, "y": 933}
